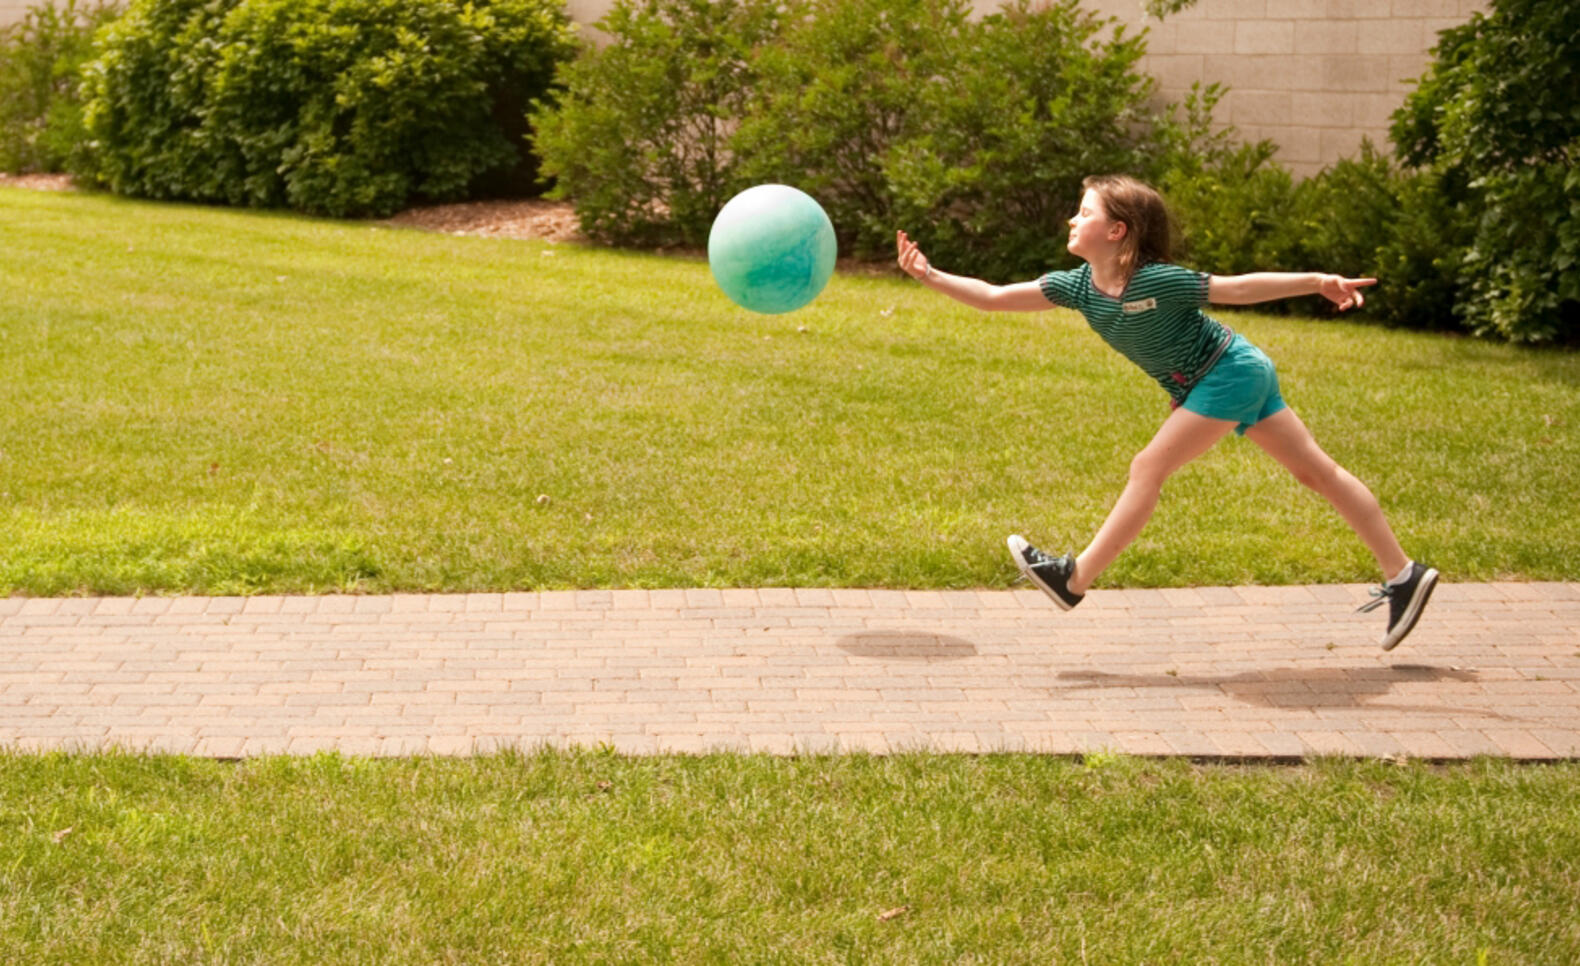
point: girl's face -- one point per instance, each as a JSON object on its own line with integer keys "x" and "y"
{"x": 1092, "y": 233}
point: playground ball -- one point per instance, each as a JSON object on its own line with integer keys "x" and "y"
{"x": 771, "y": 248}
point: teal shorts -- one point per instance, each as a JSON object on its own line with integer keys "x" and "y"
{"x": 1242, "y": 386}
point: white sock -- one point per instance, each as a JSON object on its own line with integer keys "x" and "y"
{"x": 1398, "y": 578}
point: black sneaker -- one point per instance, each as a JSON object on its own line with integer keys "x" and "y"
{"x": 1405, "y": 602}
{"x": 1051, "y": 575}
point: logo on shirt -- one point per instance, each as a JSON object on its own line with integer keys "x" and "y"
{"x": 1145, "y": 305}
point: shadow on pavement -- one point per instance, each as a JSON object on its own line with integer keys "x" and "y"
{"x": 1298, "y": 688}
{"x": 907, "y": 645}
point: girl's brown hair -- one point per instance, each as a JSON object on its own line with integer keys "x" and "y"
{"x": 1146, "y": 218}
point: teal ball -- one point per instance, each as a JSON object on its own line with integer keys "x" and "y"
{"x": 772, "y": 248}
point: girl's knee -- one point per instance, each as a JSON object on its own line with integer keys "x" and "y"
{"x": 1148, "y": 470}
{"x": 1317, "y": 474}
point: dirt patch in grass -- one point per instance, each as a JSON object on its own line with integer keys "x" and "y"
{"x": 528, "y": 218}
{"x": 37, "y": 182}
{"x": 553, "y": 221}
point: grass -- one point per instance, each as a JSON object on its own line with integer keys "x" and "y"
{"x": 206, "y": 401}
{"x": 213, "y": 402}
{"x": 589, "y": 857}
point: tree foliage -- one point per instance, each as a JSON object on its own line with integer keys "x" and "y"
{"x": 1496, "y": 121}
{"x": 975, "y": 134}
{"x": 338, "y": 107}
{"x": 41, "y": 57}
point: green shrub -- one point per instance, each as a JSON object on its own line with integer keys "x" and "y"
{"x": 1343, "y": 216}
{"x": 1366, "y": 217}
{"x": 41, "y": 60}
{"x": 892, "y": 113}
{"x": 1039, "y": 99}
{"x": 1240, "y": 211}
{"x": 144, "y": 98}
{"x": 1421, "y": 258}
{"x": 639, "y": 138}
{"x": 337, "y": 107}
{"x": 843, "y": 96}
{"x": 975, "y": 135}
{"x": 1496, "y": 112}
{"x": 1233, "y": 211}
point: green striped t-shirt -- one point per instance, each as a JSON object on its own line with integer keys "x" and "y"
{"x": 1158, "y": 322}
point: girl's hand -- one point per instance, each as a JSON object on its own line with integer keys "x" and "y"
{"x": 912, "y": 261}
{"x": 1344, "y": 292}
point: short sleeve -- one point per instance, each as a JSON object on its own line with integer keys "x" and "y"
{"x": 1174, "y": 286}
{"x": 1062, "y": 288}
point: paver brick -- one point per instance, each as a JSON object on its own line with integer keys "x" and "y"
{"x": 1221, "y": 672}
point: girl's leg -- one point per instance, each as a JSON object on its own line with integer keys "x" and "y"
{"x": 1287, "y": 440}
{"x": 1182, "y": 437}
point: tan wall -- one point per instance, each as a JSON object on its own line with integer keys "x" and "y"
{"x": 12, "y": 10}
{"x": 1315, "y": 76}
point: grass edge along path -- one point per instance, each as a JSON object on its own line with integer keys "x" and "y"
{"x": 574, "y": 856}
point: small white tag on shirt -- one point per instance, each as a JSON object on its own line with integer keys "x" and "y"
{"x": 1145, "y": 305}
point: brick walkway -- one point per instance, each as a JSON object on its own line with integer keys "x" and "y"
{"x": 1216, "y": 672}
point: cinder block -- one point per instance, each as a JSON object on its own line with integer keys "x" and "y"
{"x": 1445, "y": 9}
{"x": 1259, "y": 107}
{"x": 1327, "y": 37}
{"x": 1393, "y": 37}
{"x": 1264, "y": 37}
{"x": 1207, "y": 37}
{"x": 1350, "y": 73}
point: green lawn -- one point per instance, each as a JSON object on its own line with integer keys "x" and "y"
{"x": 205, "y": 401}
{"x": 208, "y": 401}
{"x": 587, "y": 857}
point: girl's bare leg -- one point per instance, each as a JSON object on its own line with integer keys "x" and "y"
{"x": 1182, "y": 437}
{"x": 1285, "y": 437}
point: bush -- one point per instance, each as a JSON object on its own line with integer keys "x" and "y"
{"x": 1233, "y": 211}
{"x": 1421, "y": 257}
{"x": 1343, "y": 216}
{"x": 1495, "y": 119}
{"x": 1366, "y": 217}
{"x": 41, "y": 60}
{"x": 974, "y": 135}
{"x": 144, "y": 97}
{"x": 1037, "y": 103}
{"x": 842, "y": 97}
{"x": 1240, "y": 211}
{"x": 640, "y": 136}
{"x": 336, "y": 107}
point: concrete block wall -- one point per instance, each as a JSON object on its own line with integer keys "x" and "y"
{"x": 12, "y": 10}
{"x": 1314, "y": 76}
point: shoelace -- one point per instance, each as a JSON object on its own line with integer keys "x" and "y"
{"x": 1380, "y": 596}
{"x": 1036, "y": 558}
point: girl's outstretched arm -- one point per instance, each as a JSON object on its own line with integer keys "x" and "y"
{"x": 1268, "y": 286}
{"x": 1022, "y": 297}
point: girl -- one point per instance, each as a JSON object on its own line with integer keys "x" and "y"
{"x": 1151, "y": 311}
